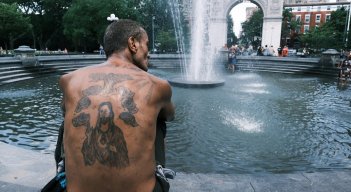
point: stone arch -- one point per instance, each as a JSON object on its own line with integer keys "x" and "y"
{"x": 272, "y": 21}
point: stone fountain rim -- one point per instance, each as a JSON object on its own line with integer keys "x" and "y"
{"x": 179, "y": 82}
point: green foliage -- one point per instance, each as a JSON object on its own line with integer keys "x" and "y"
{"x": 13, "y": 23}
{"x": 318, "y": 38}
{"x": 252, "y": 29}
{"x": 166, "y": 41}
{"x": 289, "y": 27}
{"x": 86, "y": 20}
{"x": 46, "y": 19}
{"x": 330, "y": 35}
{"x": 163, "y": 22}
{"x": 231, "y": 37}
{"x": 80, "y": 24}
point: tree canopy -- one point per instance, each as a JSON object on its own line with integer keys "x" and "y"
{"x": 252, "y": 29}
{"x": 79, "y": 24}
{"x": 231, "y": 37}
{"x": 331, "y": 34}
{"x": 13, "y": 24}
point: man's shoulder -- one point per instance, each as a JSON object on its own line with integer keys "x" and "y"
{"x": 158, "y": 80}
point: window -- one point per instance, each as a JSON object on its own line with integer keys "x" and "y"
{"x": 298, "y": 8}
{"x": 306, "y": 28}
{"x": 319, "y": 8}
{"x": 318, "y": 18}
{"x": 298, "y": 29}
{"x": 307, "y": 18}
{"x": 328, "y": 8}
{"x": 327, "y": 17}
{"x": 308, "y": 8}
{"x": 298, "y": 18}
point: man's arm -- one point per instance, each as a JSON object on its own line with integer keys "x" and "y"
{"x": 167, "y": 113}
{"x": 167, "y": 110}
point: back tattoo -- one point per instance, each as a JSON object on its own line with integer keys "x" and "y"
{"x": 105, "y": 141}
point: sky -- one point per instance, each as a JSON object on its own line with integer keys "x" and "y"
{"x": 238, "y": 14}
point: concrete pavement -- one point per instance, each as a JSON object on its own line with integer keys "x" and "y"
{"x": 28, "y": 171}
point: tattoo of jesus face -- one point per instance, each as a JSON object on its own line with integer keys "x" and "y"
{"x": 105, "y": 142}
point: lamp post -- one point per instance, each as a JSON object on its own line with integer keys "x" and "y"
{"x": 112, "y": 17}
{"x": 348, "y": 27}
{"x": 153, "y": 34}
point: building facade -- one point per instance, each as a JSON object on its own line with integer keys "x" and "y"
{"x": 313, "y": 13}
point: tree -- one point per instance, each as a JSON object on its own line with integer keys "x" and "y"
{"x": 329, "y": 35}
{"x": 163, "y": 23}
{"x": 231, "y": 38}
{"x": 46, "y": 19}
{"x": 290, "y": 26}
{"x": 85, "y": 21}
{"x": 13, "y": 24}
{"x": 252, "y": 29}
{"x": 80, "y": 24}
{"x": 166, "y": 41}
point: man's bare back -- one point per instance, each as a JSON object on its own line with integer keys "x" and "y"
{"x": 111, "y": 111}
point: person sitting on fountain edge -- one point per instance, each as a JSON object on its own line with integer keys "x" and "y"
{"x": 111, "y": 111}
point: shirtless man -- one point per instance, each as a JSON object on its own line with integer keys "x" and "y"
{"x": 111, "y": 110}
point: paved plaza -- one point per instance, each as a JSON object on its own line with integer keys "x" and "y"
{"x": 25, "y": 170}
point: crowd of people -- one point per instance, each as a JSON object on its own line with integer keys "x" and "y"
{"x": 236, "y": 50}
{"x": 260, "y": 51}
{"x": 270, "y": 51}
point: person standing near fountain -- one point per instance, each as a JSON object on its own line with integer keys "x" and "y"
{"x": 111, "y": 111}
{"x": 232, "y": 60}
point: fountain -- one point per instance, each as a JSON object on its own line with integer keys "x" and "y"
{"x": 199, "y": 72}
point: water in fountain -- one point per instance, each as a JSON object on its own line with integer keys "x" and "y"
{"x": 199, "y": 71}
{"x": 175, "y": 11}
{"x": 201, "y": 67}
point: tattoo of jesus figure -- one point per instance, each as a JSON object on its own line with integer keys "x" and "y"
{"x": 105, "y": 142}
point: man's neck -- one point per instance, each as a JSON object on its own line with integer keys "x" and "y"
{"x": 120, "y": 59}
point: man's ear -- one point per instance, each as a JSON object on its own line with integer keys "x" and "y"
{"x": 132, "y": 45}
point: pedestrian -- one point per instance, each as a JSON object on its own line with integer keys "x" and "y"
{"x": 259, "y": 51}
{"x": 101, "y": 50}
{"x": 111, "y": 111}
{"x": 285, "y": 51}
{"x": 271, "y": 51}
{"x": 280, "y": 51}
{"x": 232, "y": 60}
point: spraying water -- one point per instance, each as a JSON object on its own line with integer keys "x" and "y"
{"x": 200, "y": 68}
{"x": 179, "y": 34}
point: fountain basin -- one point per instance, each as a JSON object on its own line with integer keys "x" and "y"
{"x": 254, "y": 123}
{"x": 179, "y": 82}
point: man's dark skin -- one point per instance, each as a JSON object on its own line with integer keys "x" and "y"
{"x": 111, "y": 111}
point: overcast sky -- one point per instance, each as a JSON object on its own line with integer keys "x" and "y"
{"x": 238, "y": 14}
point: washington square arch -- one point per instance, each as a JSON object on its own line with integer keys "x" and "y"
{"x": 219, "y": 10}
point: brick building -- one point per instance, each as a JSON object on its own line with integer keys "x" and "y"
{"x": 313, "y": 13}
